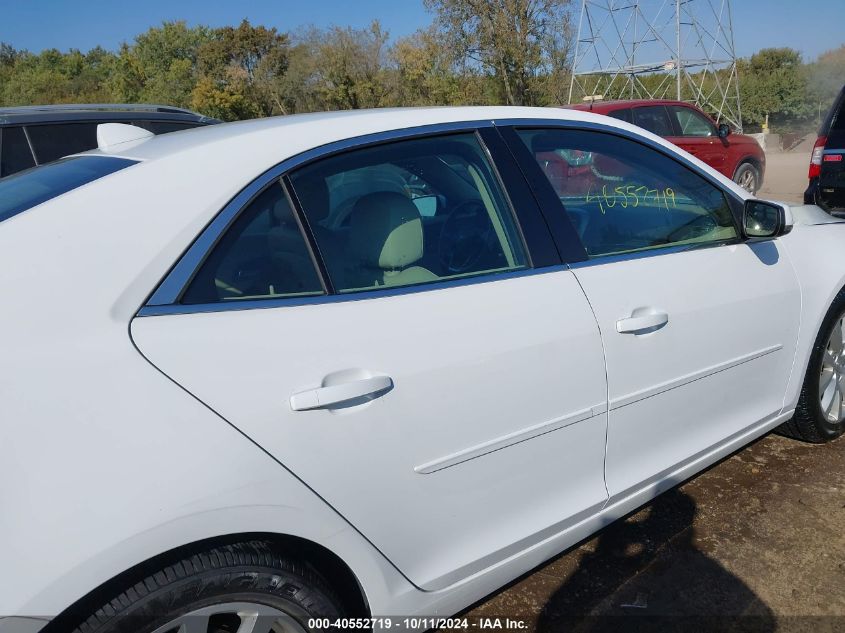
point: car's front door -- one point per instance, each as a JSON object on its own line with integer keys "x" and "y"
{"x": 696, "y": 134}
{"x": 699, "y": 326}
{"x": 444, "y": 396}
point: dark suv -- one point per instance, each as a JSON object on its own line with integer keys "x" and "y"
{"x": 827, "y": 162}
{"x": 33, "y": 135}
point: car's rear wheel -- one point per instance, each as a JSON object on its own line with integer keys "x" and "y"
{"x": 747, "y": 176}
{"x": 820, "y": 414}
{"x": 242, "y": 588}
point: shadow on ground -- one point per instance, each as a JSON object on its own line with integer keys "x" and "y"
{"x": 647, "y": 570}
{"x": 755, "y": 543}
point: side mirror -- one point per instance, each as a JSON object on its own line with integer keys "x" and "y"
{"x": 724, "y": 130}
{"x": 765, "y": 219}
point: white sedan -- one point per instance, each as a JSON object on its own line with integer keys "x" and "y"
{"x": 263, "y": 375}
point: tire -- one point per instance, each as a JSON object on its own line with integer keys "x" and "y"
{"x": 747, "y": 176}
{"x": 810, "y": 422}
{"x": 249, "y": 578}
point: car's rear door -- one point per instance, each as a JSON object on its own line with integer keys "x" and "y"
{"x": 699, "y": 326}
{"x": 447, "y": 396}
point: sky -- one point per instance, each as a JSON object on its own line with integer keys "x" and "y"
{"x": 37, "y": 24}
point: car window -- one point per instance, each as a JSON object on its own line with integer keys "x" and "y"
{"x": 654, "y": 119}
{"x": 622, "y": 115}
{"x": 52, "y": 142}
{"x": 364, "y": 210}
{"x": 15, "y": 154}
{"x": 27, "y": 189}
{"x": 623, "y": 196}
{"x": 263, "y": 255}
{"x": 691, "y": 122}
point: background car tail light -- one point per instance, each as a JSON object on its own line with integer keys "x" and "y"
{"x": 816, "y": 158}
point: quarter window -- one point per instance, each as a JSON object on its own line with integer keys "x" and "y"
{"x": 410, "y": 212}
{"x": 263, "y": 255}
{"x": 622, "y": 196}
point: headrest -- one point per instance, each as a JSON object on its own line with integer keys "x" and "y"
{"x": 313, "y": 194}
{"x": 386, "y": 231}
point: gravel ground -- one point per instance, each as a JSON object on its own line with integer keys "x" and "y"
{"x": 756, "y": 543}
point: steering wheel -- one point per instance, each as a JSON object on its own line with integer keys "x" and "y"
{"x": 464, "y": 237}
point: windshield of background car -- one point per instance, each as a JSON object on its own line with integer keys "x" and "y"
{"x": 32, "y": 187}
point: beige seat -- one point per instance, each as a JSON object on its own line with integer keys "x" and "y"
{"x": 385, "y": 241}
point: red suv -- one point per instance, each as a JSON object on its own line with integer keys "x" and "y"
{"x": 737, "y": 156}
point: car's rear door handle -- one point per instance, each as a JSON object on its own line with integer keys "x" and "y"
{"x": 338, "y": 394}
{"x": 641, "y": 322}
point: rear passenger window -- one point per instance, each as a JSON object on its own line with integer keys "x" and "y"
{"x": 15, "y": 154}
{"x": 410, "y": 212}
{"x": 52, "y": 142}
{"x": 263, "y": 255}
{"x": 622, "y": 196}
{"x": 655, "y": 119}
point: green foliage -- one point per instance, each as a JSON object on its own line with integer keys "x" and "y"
{"x": 474, "y": 52}
{"x": 772, "y": 82}
{"x": 519, "y": 42}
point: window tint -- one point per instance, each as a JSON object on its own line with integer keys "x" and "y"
{"x": 622, "y": 115}
{"x": 15, "y": 154}
{"x": 27, "y": 189}
{"x": 263, "y": 255}
{"x": 654, "y": 119}
{"x": 52, "y": 142}
{"x": 692, "y": 123}
{"x": 410, "y": 212}
{"x": 623, "y": 196}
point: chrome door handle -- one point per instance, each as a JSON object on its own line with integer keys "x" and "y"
{"x": 640, "y": 322}
{"x": 338, "y": 394}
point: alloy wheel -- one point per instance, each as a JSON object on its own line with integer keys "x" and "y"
{"x": 233, "y": 617}
{"x": 832, "y": 379}
{"x": 747, "y": 181}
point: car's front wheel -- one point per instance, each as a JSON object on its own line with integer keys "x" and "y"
{"x": 241, "y": 588}
{"x": 747, "y": 176}
{"x": 820, "y": 414}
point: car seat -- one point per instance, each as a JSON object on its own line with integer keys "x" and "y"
{"x": 386, "y": 240}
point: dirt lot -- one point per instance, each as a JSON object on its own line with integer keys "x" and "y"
{"x": 756, "y": 543}
{"x": 786, "y": 176}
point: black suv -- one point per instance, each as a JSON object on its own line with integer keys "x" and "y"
{"x": 33, "y": 135}
{"x": 827, "y": 163}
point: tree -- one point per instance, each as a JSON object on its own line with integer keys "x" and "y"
{"x": 772, "y": 83}
{"x": 825, "y": 78}
{"x": 245, "y": 66}
{"x": 517, "y": 41}
{"x": 161, "y": 65}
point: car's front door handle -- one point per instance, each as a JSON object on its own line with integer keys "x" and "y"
{"x": 338, "y": 394}
{"x": 640, "y": 322}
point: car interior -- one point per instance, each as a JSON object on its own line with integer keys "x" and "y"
{"x": 400, "y": 214}
{"x": 623, "y": 197}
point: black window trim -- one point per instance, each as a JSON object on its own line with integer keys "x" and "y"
{"x": 165, "y": 298}
{"x": 553, "y": 209}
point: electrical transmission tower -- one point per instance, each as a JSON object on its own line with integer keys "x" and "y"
{"x": 658, "y": 49}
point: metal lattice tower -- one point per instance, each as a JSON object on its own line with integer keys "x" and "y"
{"x": 658, "y": 49}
